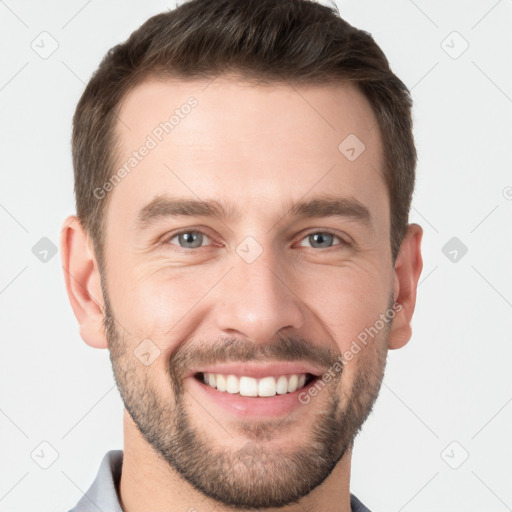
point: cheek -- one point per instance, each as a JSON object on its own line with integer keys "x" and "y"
{"x": 168, "y": 305}
{"x": 346, "y": 300}
{"x": 162, "y": 306}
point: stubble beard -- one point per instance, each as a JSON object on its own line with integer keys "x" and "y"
{"x": 254, "y": 475}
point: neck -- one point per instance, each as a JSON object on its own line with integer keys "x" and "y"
{"x": 147, "y": 479}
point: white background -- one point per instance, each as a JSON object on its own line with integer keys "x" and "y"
{"x": 452, "y": 382}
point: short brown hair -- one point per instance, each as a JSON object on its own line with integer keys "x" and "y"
{"x": 295, "y": 41}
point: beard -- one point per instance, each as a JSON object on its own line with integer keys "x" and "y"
{"x": 254, "y": 475}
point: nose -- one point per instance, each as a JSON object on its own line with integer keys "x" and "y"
{"x": 257, "y": 301}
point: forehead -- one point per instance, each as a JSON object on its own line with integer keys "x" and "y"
{"x": 259, "y": 147}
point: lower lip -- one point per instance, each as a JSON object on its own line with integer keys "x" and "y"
{"x": 248, "y": 406}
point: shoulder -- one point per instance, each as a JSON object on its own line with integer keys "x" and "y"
{"x": 356, "y": 505}
{"x": 102, "y": 494}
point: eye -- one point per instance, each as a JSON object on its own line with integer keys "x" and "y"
{"x": 195, "y": 239}
{"x": 322, "y": 240}
{"x": 191, "y": 239}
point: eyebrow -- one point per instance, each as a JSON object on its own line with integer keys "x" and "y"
{"x": 164, "y": 206}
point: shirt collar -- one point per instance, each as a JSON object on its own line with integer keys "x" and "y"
{"x": 103, "y": 494}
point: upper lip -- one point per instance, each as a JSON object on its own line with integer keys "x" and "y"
{"x": 258, "y": 369}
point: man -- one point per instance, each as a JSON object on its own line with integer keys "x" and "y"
{"x": 243, "y": 178}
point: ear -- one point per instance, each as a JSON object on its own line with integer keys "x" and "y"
{"x": 408, "y": 266}
{"x": 83, "y": 282}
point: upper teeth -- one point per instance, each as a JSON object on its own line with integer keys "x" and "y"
{"x": 248, "y": 386}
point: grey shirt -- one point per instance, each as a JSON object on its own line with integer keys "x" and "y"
{"x": 103, "y": 493}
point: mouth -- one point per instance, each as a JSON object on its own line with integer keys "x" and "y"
{"x": 247, "y": 386}
{"x": 252, "y": 391}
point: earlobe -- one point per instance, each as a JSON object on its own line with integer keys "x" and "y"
{"x": 83, "y": 282}
{"x": 408, "y": 267}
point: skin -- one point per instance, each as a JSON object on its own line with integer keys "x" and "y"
{"x": 258, "y": 148}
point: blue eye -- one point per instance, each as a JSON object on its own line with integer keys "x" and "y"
{"x": 322, "y": 240}
{"x": 190, "y": 239}
{"x": 194, "y": 239}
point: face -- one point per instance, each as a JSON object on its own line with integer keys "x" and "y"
{"x": 247, "y": 253}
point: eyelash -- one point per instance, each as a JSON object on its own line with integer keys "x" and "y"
{"x": 343, "y": 242}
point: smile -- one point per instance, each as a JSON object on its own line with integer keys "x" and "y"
{"x": 253, "y": 390}
{"x": 266, "y": 386}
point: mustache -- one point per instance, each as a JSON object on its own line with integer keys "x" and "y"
{"x": 290, "y": 348}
